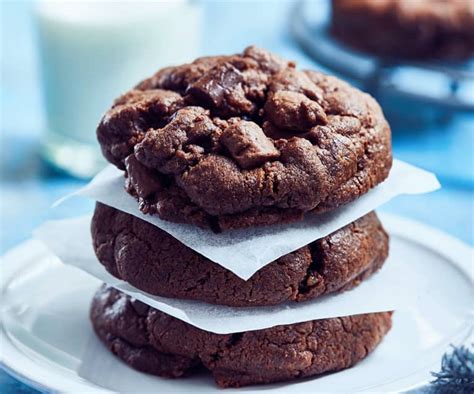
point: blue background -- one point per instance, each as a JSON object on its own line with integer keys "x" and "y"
{"x": 28, "y": 187}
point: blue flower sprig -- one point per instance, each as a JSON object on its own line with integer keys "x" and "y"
{"x": 457, "y": 372}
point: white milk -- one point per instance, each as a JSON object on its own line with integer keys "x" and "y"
{"x": 91, "y": 52}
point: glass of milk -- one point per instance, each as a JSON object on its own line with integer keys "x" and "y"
{"x": 91, "y": 52}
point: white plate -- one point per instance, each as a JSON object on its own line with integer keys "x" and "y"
{"x": 47, "y": 340}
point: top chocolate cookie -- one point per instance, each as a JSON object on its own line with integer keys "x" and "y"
{"x": 244, "y": 140}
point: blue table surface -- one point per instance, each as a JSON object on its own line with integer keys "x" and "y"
{"x": 29, "y": 187}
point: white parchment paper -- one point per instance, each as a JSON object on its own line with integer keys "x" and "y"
{"x": 70, "y": 240}
{"x": 244, "y": 252}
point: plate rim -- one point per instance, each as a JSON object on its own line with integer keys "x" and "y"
{"x": 15, "y": 362}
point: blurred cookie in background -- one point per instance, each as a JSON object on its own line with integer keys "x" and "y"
{"x": 416, "y": 29}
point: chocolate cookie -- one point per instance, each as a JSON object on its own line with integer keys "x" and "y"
{"x": 244, "y": 140}
{"x": 417, "y": 29}
{"x": 155, "y": 262}
{"x": 154, "y": 342}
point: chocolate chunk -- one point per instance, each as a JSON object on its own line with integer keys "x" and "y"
{"x": 140, "y": 179}
{"x": 294, "y": 111}
{"x": 212, "y": 87}
{"x": 248, "y": 144}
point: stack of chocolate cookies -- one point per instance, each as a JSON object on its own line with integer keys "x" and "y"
{"x": 235, "y": 142}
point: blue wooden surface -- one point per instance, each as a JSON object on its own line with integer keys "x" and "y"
{"x": 28, "y": 187}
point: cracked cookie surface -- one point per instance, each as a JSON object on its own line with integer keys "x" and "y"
{"x": 417, "y": 29}
{"x": 154, "y": 342}
{"x": 153, "y": 261}
{"x": 245, "y": 140}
